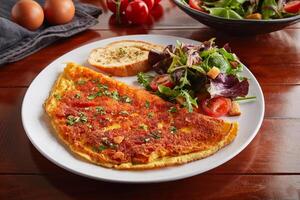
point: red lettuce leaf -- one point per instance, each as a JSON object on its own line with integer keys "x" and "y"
{"x": 228, "y": 86}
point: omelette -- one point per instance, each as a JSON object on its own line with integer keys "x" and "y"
{"x": 114, "y": 125}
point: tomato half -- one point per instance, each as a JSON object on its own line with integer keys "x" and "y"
{"x": 292, "y": 7}
{"x": 216, "y": 107}
{"x": 196, "y": 4}
{"x": 164, "y": 80}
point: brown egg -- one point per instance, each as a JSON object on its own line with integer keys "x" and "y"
{"x": 28, "y": 14}
{"x": 59, "y": 11}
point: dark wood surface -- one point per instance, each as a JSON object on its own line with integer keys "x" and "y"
{"x": 269, "y": 168}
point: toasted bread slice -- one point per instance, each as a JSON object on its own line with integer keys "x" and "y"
{"x": 123, "y": 58}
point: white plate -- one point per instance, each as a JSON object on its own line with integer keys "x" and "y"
{"x": 41, "y": 135}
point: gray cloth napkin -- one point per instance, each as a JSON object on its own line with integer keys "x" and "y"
{"x": 17, "y": 42}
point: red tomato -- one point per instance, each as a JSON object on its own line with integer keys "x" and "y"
{"x": 292, "y": 7}
{"x": 196, "y": 4}
{"x": 112, "y": 5}
{"x": 216, "y": 107}
{"x": 150, "y": 3}
{"x": 137, "y": 12}
{"x": 156, "y": 2}
{"x": 164, "y": 80}
{"x": 157, "y": 12}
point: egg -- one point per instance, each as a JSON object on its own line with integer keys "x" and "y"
{"x": 59, "y": 11}
{"x": 28, "y": 14}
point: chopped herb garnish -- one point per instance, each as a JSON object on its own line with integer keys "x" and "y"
{"x": 102, "y": 147}
{"x": 57, "y": 96}
{"x": 77, "y": 96}
{"x": 71, "y": 120}
{"x": 115, "y": 95}
{"x": 143, "y": 126}
{"x": 91, "y": 96}
{"x": 124, "y": 112}
{"x": 173, "y": 109}
{"x": 100, "y": 110}
{"x": 150, "y": 114}
{"x": 126, "y": 99}
{"x": 147, "y": 104}
{"x": 102, "y": 87}
{"x": 155, "y": 134}
{"x": 107, "y": 93}
{"x": 173, "y": 129}
{"x": 83, "y": 118}
{"x": 81, "y": 82}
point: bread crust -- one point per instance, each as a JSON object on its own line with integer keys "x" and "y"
{"x": 129, "y": 69}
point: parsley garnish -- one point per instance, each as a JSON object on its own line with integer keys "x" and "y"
{"x": 147, "y": 104}
{"x": 77, "y": 96}
{"x": 115, "y": 95}
{"x": 102, "y": 147}
{"x": 102, "y": 87}
{"x": 71, "y": 120}
{"x": 173, "y": 109}
{"x": 150, "y": 114}
{"x": 143, "y": 126}
{"x": 155, "y": 134}
{"x": 57, "y": 96}
{"x": 126, "y": 99}
{"x": 173, "y": 129}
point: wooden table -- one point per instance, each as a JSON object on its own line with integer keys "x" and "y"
{"x": 269, "y": 168}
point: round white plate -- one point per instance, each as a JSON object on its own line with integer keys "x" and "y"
{"x": 41, "y": 135}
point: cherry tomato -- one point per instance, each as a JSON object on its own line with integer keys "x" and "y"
{"x": 216, "y": 107}
{"x": 112, "y": 5}
{"x": 137, "y": 12}
{"x": 156, "y": 2}
{"x": 164, "y": 80}
{"x": 157, "y": 12}
{"x": 196, "y": 4}
{"x": 292, "y": 7}
{"x": 150, "y": 3}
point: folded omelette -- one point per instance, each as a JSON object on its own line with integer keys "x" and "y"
{"x": 119, "y": 126}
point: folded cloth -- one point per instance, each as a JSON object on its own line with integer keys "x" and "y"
{"x": 17, "y": 42}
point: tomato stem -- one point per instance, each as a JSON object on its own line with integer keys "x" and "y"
{"x": 118, "y": 14}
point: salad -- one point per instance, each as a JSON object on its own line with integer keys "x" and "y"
{"x": 247, "y": 9}
{"x": 201, "y": 78}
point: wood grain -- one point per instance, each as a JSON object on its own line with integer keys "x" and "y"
{"x": 269, "y": 167}
{"x": 225, "y": 187}
{"x": 268, "y": 56}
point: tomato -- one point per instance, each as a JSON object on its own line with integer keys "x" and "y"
{"x": 156, "y": 2}
{"x": 137, "y": 12}
{"x": 216, "y": 107}
{"x": 292, "y": 7}
{"x": 112, "y": 5}
{"x": 196, "y": 4}
{"x": 157, "y": 12}
{"x": 150, "y": 3}
{"x": 164, "y": 80}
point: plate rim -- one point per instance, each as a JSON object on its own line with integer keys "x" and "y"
{"x": 186, "y": 175}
